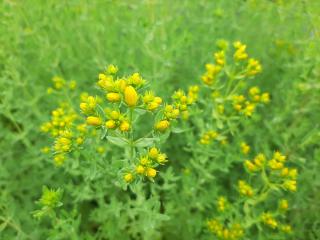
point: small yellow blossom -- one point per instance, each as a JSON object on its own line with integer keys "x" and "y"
{"x": 290, "y": 185}
{"x": 144, "y": 161}
{"x": 245, "y": 148}
{"x": 59, "y": 159}
{"x": 283, "y": 204}
{"x": 161, "y": 126}
{"x": 151, "y": 172}
{"x": 265, "y": 98}
{"x": 221, "y": 204}
{"x": 110, "y": 124}
{"x": 115, "y": 115}
{"x": 112, "y": 69}
{"x": 268, "y": 219}
{"x": 130, "y": 96}
{"x": 128, "y": 177}
{"x": 286, "y": 228}
{"x": 94, "y": 121}
{"x": 162, "y": 158}
{"x": 140, "y": 169}
{"x": 250, "y": 166}
{"x": 254, "y": 67}
{"x": 113, "y": 97}
{"x": 153, "y": 153}
{"x": 79, "y": 140}
{"x": 245, "y": 189}
{"x": 72, "y": 84}
{"x": 124, "y": 126}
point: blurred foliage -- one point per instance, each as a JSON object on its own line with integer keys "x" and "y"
{"x": 168, "y": 42}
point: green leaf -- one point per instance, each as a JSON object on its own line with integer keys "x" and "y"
{"x": 164, "y": 136}
{"x": 178, "y": 130}
{"x": 145, "y": 142}
{"x": 104, "y": 133}
{"x": 140, "y": 111}
{"x": 121, "y": 142}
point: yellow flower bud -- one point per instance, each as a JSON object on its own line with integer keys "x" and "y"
{"x": 140, "y": 169}
{"x": 79, "y": 140}
{"x": 293, "y": 173}
{"x": 158, "y": 100}
{"x": 115, "y": 115}
{"x": 291, "y": 185}
{"x": 162, "y": 125}
{"x": 81, "y": 128}
{"x": 153, "y": 153}
{"x": 250, "y": 166}
{"x": 110, "y": 124}
{"x": 245, "y": 148}
{"x": 151, "y": 172}
{"x": 45, "y": 150}
{"x": 153, "y": 106}
{"x": 175, "y": 113}
{"x": 113, "y": 97}
{"x": 130, "y": 96}
{"x": 265, "y": 98}
{"x": 112, "y": 69}
{"x": 144, "y": 161}
{"x": 128, "y": 177}
{"x": 122, "y": 84}
{"x": 162, "y": 158}
{"x": 283, "y": 205}
{"x": 94, "y": 121}
{"x": 84, "y": 107}
{"x": 59, "y": 159}
{"x": 124, "y": 126}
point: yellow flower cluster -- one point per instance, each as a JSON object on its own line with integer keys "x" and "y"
{"x": 208, "y": 137}
{"x": 61, "y": 118}
{"x": 127, "y": 99}
{"x": 116, "y": 120}
{"x": 59, "y": 83}
{"x": 220, "y": 58}
{"x": 126, "y": 89}
{"x": 268, "y": 219}
{"x": 256, "y": 164}
{"x": 289, "y": 176}
{"x": 246, "y": 107}
{"x": 274, "y": 176}
{"x": 257, "y": 96}
{"x": 150, "y": 101}
{"x": 222, "y": 204}
{"x": 88, "y": 104}
{"x": 245, "y": 148}
{"x": 66, "y": 133}
{"x": 120, "y": 88}
{"x": 147, "y": 165}
{"x": 283, "y": 205}
{"x": 193, "y": 94}
{"x": 235, "y": 231}
{"x": 211, "y": 73}
{"x": 240, "y": 51}
{"x": 254, "y": 67}
{"x": 245, "y": 189}
{"x": 182, "y": 101}
{"x": 277, "y": 166}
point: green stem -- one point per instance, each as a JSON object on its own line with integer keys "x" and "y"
{"x": 131, "y": 135}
